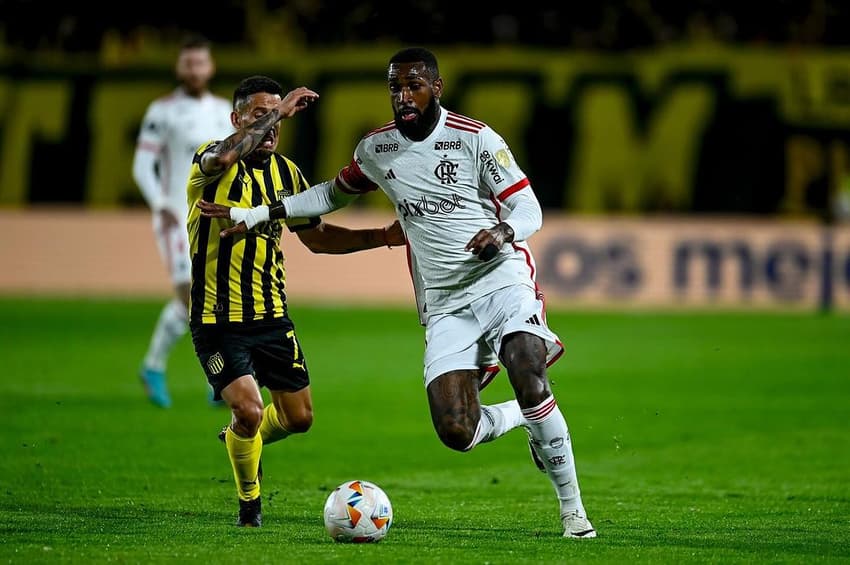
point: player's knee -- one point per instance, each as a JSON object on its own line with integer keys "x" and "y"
{"x": 525, "y": 364}
{"x": 455, "y": 435}
{"x": 299, "y": 422}
{"x": 247, "y": 415}
{"x": 527, "y": 373}
{"x": 524, "y": 352}
{"x": 531, "y": 389}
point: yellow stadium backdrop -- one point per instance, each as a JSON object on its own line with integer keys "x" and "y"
{"x": 675, "y": 130}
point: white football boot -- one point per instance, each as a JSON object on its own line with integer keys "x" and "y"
{"x": 577, "y": 526}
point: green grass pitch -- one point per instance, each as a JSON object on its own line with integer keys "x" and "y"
{"x": 698, "y": 437}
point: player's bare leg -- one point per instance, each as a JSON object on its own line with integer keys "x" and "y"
{"x": 459, "y": 418}
{"x": 244, "y": 446}
{"x": 288, "y": 413}
{"x": 524, "y": 356}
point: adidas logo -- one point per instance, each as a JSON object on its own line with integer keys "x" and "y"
{"x": 390, "y": 175}
{"x": 534, "y": 321}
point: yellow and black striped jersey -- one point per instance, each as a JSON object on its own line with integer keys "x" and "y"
{"x": 240, "y": 278}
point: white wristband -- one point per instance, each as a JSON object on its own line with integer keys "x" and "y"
{"x": 251, "y": 216}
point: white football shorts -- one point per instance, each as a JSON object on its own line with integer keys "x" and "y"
{"x": 471, "y": 337}
{"x": 173, "y": 244}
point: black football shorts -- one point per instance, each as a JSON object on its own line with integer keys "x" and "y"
{"x": 267, "y": 350}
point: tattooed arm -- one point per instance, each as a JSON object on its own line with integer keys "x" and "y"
{"x": 222, "y": 155}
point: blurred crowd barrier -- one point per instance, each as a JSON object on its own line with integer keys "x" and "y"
{"x": 581, "y": 262}
{"x": 695, "y": 128}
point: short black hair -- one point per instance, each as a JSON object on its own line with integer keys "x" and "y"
{"x": 195, "y": 41}
{"x": 416, "y": 55}
{"x": 253, "y": 85}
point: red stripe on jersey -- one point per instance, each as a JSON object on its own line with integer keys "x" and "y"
{"x": 386, "y": 127}
{"x": 460, "y": 127}
{"x": 148, "y": 146}
{"x": 525, "y": 252}
{"x": 515, "y": 246}
{"x": 352, "y": 180}
{"x": 470, "y": 121}
{"x": 516, "y": 187}
{"x": 498, "y": 207}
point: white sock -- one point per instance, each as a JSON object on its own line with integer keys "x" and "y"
{"x": 170, "y": 327}
{"x": 551, "y": 440}
{"x": 496, "y": 420}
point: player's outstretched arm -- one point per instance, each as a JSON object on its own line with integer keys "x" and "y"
{"x": 223, "y": 155}
{"x": 247, "y": 217}
{"x": 319, "y": 199}
{"x": 329, "y": 238}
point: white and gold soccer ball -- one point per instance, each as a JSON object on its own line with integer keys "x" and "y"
{"x": 358, "y": 512}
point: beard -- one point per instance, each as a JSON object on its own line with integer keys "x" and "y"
{"x": 258, "y": 156}
{"x": 263, "y": 151}
{"x": 418, "y": 129}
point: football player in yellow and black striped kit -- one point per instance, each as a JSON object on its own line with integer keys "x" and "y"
{"x": 238, "y": 316}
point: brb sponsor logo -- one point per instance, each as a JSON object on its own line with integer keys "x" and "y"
{"x": 452, "y": 145}
{"x": 386, "y": 147}
{"x": 425, "y": 207}
{"x": 783, "y": 270}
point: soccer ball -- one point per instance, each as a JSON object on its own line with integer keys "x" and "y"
{"x": 358, "y": 512}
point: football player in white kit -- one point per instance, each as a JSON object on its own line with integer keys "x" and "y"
{"x": 466, "y": 208}
{"x": 172, "y": 130}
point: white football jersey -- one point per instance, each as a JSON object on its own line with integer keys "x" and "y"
{"x": 173, "y": 128}
{"x": 445, "y": 189}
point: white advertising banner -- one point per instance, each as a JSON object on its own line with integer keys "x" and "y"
{"x": 737, "y": 263}
{"x": 647, "y": 263}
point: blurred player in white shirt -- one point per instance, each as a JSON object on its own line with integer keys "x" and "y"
{"x": 466, "y": 208}
{"x": 172, "y": 130}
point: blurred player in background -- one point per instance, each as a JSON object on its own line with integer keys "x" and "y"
{"x": 173, "y": 128}
{"x": 461, "y": 197}
{"x": 240, "y": 326}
